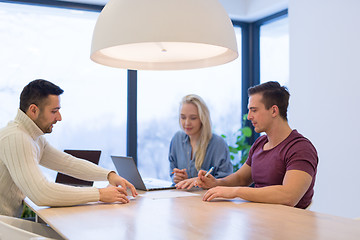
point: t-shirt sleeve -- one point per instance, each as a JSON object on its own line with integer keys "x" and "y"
{"x": 302, "y": 156}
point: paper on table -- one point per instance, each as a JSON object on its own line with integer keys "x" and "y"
{"x": 168, "y": 194}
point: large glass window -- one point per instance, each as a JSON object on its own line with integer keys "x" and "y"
{"x": 159, "y": 96}
{"x": 54, "y": 44}
{"x": 274, "y": 51}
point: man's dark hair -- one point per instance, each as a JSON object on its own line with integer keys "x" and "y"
{"x": 35, "y": 93}
{"x": 273, "y": 94}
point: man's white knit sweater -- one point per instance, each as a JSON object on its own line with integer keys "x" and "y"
{"x": 22, "y": 148}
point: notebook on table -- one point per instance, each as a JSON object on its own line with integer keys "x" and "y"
{"x": 90, "y": 155}
{"x": 126, "y": 168}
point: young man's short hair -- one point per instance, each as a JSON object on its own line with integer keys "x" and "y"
{"x": 273, "y": 94}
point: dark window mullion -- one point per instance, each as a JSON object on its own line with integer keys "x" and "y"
{"x": 250, "y": 66}
{"x": 59, "y": 4}
{"x": 131, "y": 129}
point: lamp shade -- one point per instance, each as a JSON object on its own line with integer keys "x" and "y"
{"x": 163, "y": 35}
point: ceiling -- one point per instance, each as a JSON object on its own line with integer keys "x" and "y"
{"x": 242, "y": 10}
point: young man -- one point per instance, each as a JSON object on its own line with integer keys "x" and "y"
{"x": 23, "y": 148}
{"x": 282, "y": 164}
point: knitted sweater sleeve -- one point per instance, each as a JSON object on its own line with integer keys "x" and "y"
{"x": 21, "y": 157}
{"x": 75, "y": 167}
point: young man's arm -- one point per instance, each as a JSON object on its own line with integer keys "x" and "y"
{"x": 295, "y": 185}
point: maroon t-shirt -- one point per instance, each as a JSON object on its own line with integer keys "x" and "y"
{"x": 294, "y": 153}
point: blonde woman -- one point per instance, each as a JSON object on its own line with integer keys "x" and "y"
{"x": 196, "y": 147}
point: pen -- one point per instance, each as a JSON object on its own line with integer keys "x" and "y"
{"x": 208, "y": 172}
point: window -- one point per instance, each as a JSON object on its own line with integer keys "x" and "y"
{"x": 54, "y": 44}
{"x": 159, "y": 96}
{"x": 274, "y": 51}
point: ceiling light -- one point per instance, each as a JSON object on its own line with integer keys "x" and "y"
{"x": 163, "y": 35}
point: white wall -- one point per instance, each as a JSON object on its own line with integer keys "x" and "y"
{"x": 325, "y": 102}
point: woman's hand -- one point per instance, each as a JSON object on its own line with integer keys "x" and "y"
{"x": 179, "y": 175}
{"x": 186, "y": 184}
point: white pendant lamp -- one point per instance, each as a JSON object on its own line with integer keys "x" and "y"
{"x": 163, "y": 35}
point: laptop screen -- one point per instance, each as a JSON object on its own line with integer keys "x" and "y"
{"x": 126, "y": 168}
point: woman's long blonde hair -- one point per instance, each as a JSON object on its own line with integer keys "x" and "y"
{"x": 205, "y": 129}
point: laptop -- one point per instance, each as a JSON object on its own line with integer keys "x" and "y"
{"x": 127, "y": 169}
{"x": 90, "y": 155}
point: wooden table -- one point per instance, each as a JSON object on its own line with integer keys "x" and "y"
{"x": 150, "y": 217}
